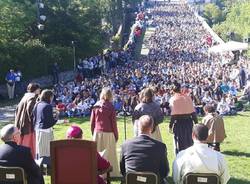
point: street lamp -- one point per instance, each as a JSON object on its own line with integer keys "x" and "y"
{"x": 74, "y": 53}
{"x": 123, "y": 20}
{"x": 40, "y": 18}
{"x": 40, "y": 27}
{"x": 41, "y": 5}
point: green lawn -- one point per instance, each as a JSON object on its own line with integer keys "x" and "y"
{"x": 236, "y": 146}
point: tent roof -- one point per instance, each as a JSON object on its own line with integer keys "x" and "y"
{"x": 229, "y": 46}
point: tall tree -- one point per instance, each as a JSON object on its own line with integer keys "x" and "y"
{"x": 16, "y": 20}
{"x": 213, "y": 14}
{"x": 237, "y": 21}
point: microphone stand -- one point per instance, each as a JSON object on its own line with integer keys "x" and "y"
{"x": 125, "y": 123}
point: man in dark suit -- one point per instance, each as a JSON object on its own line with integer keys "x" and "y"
{"x": 144, "y": 154}
{"x": 13, "y": 155}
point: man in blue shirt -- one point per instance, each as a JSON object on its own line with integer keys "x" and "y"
{"x": 225, "y": 88}
{"x": 11, "y": 79}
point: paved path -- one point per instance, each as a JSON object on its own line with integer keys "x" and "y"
{"x": 7, "y": 114}
{"x": 148, "y": 33}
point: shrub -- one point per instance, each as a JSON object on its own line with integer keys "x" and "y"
{"x": 33, "y": 58}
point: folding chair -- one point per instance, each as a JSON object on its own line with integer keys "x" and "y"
{"x": 141, "y": 178}
{"x": 201, "y": 178}
{"x": 12, "y": 175}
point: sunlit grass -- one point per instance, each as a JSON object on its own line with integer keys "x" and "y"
{"x": 236, "y": 146}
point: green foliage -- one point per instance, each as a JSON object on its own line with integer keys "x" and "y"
{"x": 23, "y": 46}
{"x": 115, "y": 41}
{"x": 230, "y": 16}
{"x": 237, "y": 21}
{"x": 16, "y": 20}
{"x": 248, "y": 53}
{"x": 76, "y": 20}
{"x": 213, "y": 14}
{"x": 33, "y": 58}
{"x": 112, "y": 12}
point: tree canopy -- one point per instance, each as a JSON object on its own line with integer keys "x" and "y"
{"x": 230, "y": 19}
{"x": 89, "y": 23}
{"x": 237, "y": 21}
{"x": 213, "y": 14}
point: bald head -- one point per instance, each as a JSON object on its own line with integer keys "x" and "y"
{"x": 146, "y": 124}
{"x": 7, "y": 133}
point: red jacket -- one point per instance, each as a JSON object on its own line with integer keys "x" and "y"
{"x": 103, "y": 118}
{"x": 102, "y": 164}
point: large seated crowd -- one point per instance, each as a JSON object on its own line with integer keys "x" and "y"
{"x": 178, "y": 52}
{"x": 178, "y": 78}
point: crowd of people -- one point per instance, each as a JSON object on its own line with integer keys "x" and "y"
{"x": 136, "y": 154}
{"x": 178, "y": 51}
{"x": 101, "y": 64}
{"x": 178, "y": 78}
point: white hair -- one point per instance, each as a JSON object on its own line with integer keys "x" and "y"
{"x": 7, "y": 132}
{"x": 106, "y": 94}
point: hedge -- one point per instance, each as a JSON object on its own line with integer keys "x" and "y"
{"x": 33, "y": 58}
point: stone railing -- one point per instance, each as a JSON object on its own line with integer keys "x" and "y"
{"x": 44, "y": 81}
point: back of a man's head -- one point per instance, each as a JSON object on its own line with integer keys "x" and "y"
{"x": 7, "y": 132}
{"x": 209, "y": 108}
{"x": 200, "y": 132}
{"x": 146, "y": 123}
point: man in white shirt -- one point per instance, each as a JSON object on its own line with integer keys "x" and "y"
{"x": 199, "y": 158}
{"x": 223, "y": 107}
{"x": 207, "y": 99}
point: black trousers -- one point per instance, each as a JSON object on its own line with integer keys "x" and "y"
{"x": 214, "y": 146}
{"x": 182, "y": 129}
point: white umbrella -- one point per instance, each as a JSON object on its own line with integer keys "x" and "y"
{"x": 228, "y": 47}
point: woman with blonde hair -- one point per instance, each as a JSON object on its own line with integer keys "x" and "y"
{"x": 147, "y": 106}
{"x": 104, "y": 128}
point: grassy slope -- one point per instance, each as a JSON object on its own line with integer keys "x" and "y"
{"x": 236, "y": 147}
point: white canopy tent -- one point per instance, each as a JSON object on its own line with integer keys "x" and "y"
{"x": 229, "y": 47}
